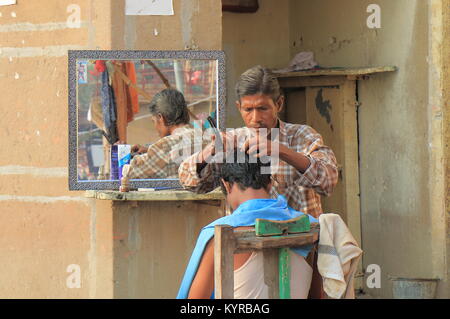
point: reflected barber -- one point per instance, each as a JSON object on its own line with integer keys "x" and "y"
{"x": 170, "y": 116}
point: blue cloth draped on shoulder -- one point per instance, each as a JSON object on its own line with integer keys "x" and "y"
{"x": 244, "y": 215}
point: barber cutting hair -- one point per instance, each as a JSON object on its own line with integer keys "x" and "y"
{"x": 307, "y": 168}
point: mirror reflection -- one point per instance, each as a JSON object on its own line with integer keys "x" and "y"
{"x": 125, "y": 106}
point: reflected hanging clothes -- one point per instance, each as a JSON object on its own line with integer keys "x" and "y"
{"x": 109, "y": 109}
{"x": 134, "y": 99}
{"x": 95, "y": 113}
{"x": 125, "y": 96}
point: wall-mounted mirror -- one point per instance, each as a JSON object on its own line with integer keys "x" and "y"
{"x": 109, "y": 97}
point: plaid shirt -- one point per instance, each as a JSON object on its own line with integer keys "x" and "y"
{"x": 301, "y": 190}
{"x": 163, "y": 157}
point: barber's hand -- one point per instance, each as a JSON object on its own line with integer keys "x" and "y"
{"x": 125, "y": 181}
{"x": 228, "y": 140}
{"x": 119, "y": 142}
{"x": 259, "y": 147}
{"x": 139, "y": 149}
{"x": 124, "y": 189}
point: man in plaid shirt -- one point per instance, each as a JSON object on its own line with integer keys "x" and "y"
{"x": 307, "y": 168}
{"x": 162, "y": 159}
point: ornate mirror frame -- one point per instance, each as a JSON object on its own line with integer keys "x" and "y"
{"x": 74, "y": 55}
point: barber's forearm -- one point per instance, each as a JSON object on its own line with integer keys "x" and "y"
{"x": 293, "y": 158}
{"x": 320, "y": 175}
{"x": 205, "y": 155}
{"x": 194, "y": 180}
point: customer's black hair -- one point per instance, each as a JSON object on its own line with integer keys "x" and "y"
{"x": 245, "y": 171}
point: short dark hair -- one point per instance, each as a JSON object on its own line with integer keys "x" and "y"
{"x": 245, "y": 171}
{"x": 171, "y": 105}
{"x": 258, "y": 80}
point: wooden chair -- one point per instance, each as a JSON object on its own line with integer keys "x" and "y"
{"x": 273, "y": 238}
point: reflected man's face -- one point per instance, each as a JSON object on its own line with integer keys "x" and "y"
{"x": 160, "y": 125}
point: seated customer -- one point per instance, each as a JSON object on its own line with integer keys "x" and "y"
{"x": 161, "y": 160}
{"x": 247, "y": 192}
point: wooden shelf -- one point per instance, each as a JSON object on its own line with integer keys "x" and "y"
{"x": 339, "y": 72}
{"x": 163, "y": 195}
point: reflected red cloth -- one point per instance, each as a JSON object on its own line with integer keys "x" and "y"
{"x": 127, "y": 102}
{"x": 134, "y": 99}
{"x": 100, "y": 66}
{"x": 195, "y": 77}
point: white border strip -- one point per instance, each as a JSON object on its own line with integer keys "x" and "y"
{"x": 7, "y": 2}
{"x": 44, "y": 199}
{"x": 29, "y": 52}
{"x": 30, "y": 27}
{"x": 36, "y": 171}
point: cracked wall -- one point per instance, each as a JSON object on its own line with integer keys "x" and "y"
{"x": 400, "y": 126}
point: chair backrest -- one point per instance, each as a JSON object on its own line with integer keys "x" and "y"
{"x": 273, "y": 239}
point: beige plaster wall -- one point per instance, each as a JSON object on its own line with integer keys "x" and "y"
{"x": 446, "y": 114}
{"x": 152, "y": 244}
{"x": 45, "y": 227}
{"x": 250, "y": 39}
{"x": 195, "y": 25}
{"x": 146, "y": 236}
{"x": 401, "y": 229}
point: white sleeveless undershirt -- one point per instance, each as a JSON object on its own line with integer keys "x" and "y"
{"x": 249, "y": 278}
